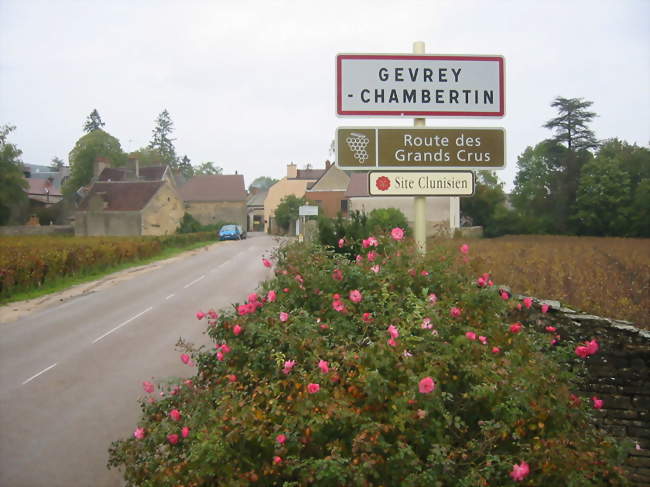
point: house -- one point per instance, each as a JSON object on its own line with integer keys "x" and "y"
{"x": 215, "y": 199}
{"x": 328, "y": 191}
{"x": 438, "y": 209}
{"x": 129, "y": 201}
{"x": 255, "y": 209}
{"x": 295, "y": 183}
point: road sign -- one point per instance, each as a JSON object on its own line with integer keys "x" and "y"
{"x": 413, "y": 148}
{"x": 306, "y": 210}
{"x": 428, "y": 183}
{"x": 419, "y": 85}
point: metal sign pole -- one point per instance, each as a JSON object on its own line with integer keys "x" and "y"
{"x": 420, "y": 202}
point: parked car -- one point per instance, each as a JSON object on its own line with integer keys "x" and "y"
{"x": 230, "y": 232}
{"x": 242, "y": 231}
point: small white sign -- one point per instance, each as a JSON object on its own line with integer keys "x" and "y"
{"x": 419, "y": 85}
{"x": 308, "y": 211}
{"x": 429, "y": 183}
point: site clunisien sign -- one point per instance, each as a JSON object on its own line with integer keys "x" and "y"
{"x": 419, "y": 148}
{"x": 429, "y": 183}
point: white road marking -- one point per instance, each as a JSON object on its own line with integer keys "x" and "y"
{"x": 194, "y": 282}
{"x": 170, "y": 296}
{"x": 122, "y": 324}
{"x": 40, "y": 373}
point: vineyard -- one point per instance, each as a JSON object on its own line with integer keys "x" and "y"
{"x": 30, "y": 262}
{"x": 604, "y": 276}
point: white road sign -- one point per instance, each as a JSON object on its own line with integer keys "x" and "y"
{"x": 428, "y": 183}
{"x": 419, "y": 85}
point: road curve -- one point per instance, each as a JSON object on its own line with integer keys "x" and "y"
{"x": 70, "y": 375}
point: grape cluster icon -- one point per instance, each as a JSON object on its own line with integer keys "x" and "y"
{"x": 358, "y": 144}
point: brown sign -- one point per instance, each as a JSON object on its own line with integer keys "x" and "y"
{"x": 420, "y": 148}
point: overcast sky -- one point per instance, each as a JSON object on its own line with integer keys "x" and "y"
{"x": 250, "y": 84}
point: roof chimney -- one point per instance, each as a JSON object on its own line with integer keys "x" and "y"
{"x": 100, "y": 164}
{"x": 292, "y": 171}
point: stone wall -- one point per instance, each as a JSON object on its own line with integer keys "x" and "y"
{"x": 209, "y": 213}
{"x": 619, "y": 374}
{"x": 163, "y": 213}
{"x": 37, "y": 230}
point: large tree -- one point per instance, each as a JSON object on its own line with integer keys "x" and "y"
{"x": 185, "y": 167}
{"x": 82, "y": 158}
{"x": 12, "y": 180}
{"x": 287, "y": 211}
{"x": 262, "y": 182}
{"x": 56, "y": 164}
{"x": 147, "y": 157}
{"x": 208, "y": 168}
{"x": 93, "y": 122}
{"x": 570, "y": 126}
{"x": 162, "y": 140}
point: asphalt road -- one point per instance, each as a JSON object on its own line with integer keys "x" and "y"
{"x": 70, "y": 376}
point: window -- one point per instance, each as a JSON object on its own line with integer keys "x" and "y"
{"x": 344, "y": 206}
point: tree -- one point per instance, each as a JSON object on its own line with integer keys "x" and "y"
{"x": 570, "y": 126}
{"x": 82, "y": 158}
{"x": 12, "y": 181}
{"x": 56, "y": 164}
{"x": 93, "y": 122}
{"x": 482, "y": 205}
{"x": 162, "y": 139}
{"x": 147, "y": 157}
{"x": 263, "y": 183}
{"x": 287, "y": 210}
{"x": 208, "y": 168}
{"x": 185, "y": 167}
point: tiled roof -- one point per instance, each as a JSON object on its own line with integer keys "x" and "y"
{"x": 147, "y": 173}
{"x": 123, "y": 196}
{"x": 358, "y": 186}
{"x": 309, "y": 173}
{"x": 220, "y": 187}
{"x": 39, "y": 187}
{"x": 257, "y": 199}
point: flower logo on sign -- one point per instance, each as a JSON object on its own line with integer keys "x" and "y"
{"x": 382, "y": 183}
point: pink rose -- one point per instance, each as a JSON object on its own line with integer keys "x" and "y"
{"x": 323, "y": 366}
{"x": 173, "y": 439}
{"x": 432, "y": 298}
{"x": 393, "y": 332}
{"x": 139, "y": 433}
{"x": 545, "y": 308}
{"x": 375, "y": 268}
{"x": 185, "y": 432}
{"x": 355, "y": 296}
{"x": 515, "y": 328}
{"x": 598, "y": 403}
{"x": 582, "y": 351}
{"x": 175, "y": 414}
{"x": 341, "y": 243}
{"x": 391, "y": 341}
{"x": 426, "y": 324}
{"x": 373, "y": 242}
{"x": 528, "y": 302}
{"x": 270, "y": 297}
{"x": 367, "y": 317}
{"x": 455, "y": 312}
{"x": 185, "y": 358}
{"x": 148, "y": 387}
{"x": 464, "y": 249}
{"x": 284, "y": 316}
{"x": 237, "y": 330}
{"x": 551, "y": 329}
{"x": 313, "y": 388}
{"x": 277, "y": 460}
{"x": 519, "y": 472}
{"x": 397, "y": 233}
{"x": 266, "y": 262}
{"x": 232, "y": 377}
{"x": 426, "y": 385}
{"x": 281, "y": 439}
{"x": 592, "y": 347}
{"x": 200, "y": 315}
{"x": 288, "y": 365}
{"x": 496, "y": 350}
{"x": 471, "y": 335}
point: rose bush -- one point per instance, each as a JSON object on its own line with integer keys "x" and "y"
{"x": 399, "y": 370}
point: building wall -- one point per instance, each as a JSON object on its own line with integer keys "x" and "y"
{"x": 113, "y": 223}
{"x": 279, "y": 190}
{"x": 211, "y": 212}
{"x": 163, "y": 213}
{"x": 329, "y": 201}
{"x": 437, "y": 212}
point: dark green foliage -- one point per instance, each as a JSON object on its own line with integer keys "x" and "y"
{"x": 162, "y": 140}
{"x": 12, "y": 180}
{"x": 189, "y": 224}
{"x": 287, "y": 210}
{"x": 82, "y": 158}
{"x": 263, "y": 182}
{"x": 383, "y": 220}
{"x": 93, "y": 122}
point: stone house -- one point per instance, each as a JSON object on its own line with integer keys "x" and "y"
{"x": 130, "y": 202}
{"x": 295, "y": 183}
{"x": 439, "y": 210}
{"x": 255, "y": 209}
{"x": 328, "y": 192}
{"x": 216, "y": 199}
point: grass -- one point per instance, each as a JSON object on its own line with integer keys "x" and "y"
{"x": 64, "y": 283}
{"x": 608, "y": 277}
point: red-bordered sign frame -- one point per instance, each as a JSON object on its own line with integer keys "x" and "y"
{"x": 417, "y": 113}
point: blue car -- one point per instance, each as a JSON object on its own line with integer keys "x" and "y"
{"x": 230, "y": 232}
